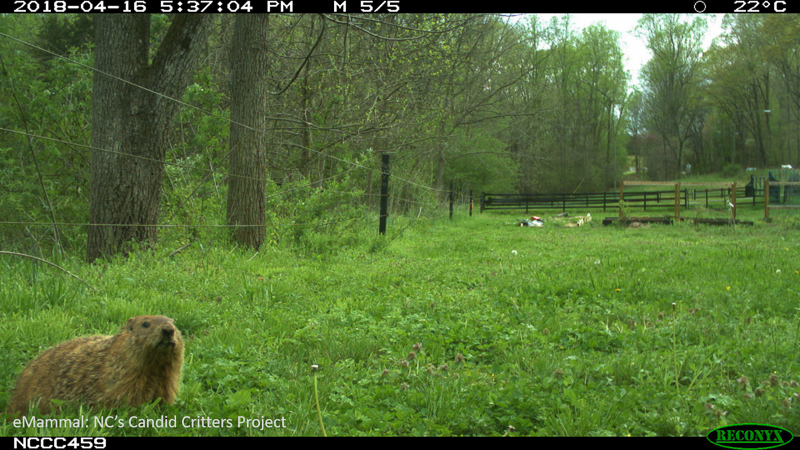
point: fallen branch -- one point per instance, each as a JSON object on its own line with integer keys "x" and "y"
{"x": 179, "y": 250}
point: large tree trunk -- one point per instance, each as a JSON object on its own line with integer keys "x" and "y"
{"x": 246, "y": 200}
{"x": 130, "y": 124}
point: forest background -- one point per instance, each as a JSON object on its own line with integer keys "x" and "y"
{"x": 485, "y": 102}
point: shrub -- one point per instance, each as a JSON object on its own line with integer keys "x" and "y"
{"x": 731, "y": 170}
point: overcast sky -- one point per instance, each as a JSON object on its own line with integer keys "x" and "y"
{"x": 636, "y": 53}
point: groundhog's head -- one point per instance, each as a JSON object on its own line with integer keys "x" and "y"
{"x": 157, "y": 332}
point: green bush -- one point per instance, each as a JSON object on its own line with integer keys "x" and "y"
{"x": 314, "y": 219}
{"x": 731, "y": 170}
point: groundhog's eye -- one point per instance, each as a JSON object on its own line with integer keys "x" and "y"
{"x": 145, "y": 324}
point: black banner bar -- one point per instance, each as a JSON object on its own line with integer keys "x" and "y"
{"x": 393, "y": 6}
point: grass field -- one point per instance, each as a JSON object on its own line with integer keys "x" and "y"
{"x": 452, "y": 328}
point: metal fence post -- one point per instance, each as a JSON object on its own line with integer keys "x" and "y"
{"x": 451, "y": 200}
{"x": 384, "y": 193}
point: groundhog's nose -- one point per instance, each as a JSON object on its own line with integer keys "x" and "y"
{"x": 168, "y": 331}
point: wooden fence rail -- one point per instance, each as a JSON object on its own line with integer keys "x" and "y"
{"x": 605, "y": 200}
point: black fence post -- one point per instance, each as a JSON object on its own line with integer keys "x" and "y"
{"x": 384, "y": 193}
{"x": 451, "y": 200}
{"x": 685, "y": 198}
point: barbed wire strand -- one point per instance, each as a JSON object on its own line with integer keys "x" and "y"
{"x": 211, "y": 171}
{"x": 206, "y": 112}
{"x": 355, "y": 194}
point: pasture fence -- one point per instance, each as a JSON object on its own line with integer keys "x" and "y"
{"x": 710, "y": 197}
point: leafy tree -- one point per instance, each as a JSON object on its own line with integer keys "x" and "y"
{"x": 43, "y": 181}
{"x": 672, "y": 80}
{"x": 61, "y": 32}
{"x": 130, "y": 124}
{"x": 636, "y": 127}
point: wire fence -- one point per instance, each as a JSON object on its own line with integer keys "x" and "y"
{"x": 204, "y": 112}
{"x": 212, "y": 174}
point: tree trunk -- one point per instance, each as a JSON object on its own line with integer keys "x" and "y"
{"x": 130, "y": 124}
{"x": 246, "y": 197}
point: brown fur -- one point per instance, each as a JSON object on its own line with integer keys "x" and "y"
{"x": 138, "y": 365}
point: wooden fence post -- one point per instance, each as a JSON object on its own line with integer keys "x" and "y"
{"x": 621, "y": 197}
{"x": 471, "y": 200}
{"x": 384, "y": 193}
{"x": 766, "y": 198}
{"x": 677, "y": 201}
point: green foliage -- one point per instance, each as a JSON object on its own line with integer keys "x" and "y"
{"x": 62, "y": 33}
{"x": 481, "y": 164}
{"x": 48, "y": 98}
{"x": 745, "y": 98}
{"x": 732, "y": 171}
{"x": 316, "y": 220}
{"x": 204, "y": 128}
{"x": 672, "y": 86}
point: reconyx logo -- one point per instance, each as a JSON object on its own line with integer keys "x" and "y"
{"x": 749, "y": 436}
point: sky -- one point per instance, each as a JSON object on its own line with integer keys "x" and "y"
{"x": 633, "y": 47}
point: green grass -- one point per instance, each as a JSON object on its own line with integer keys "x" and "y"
{"x": 575, "y": 334}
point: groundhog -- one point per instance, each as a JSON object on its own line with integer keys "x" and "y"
{"x": 136, "y": 366}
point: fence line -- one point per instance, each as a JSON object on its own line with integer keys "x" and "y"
{"x": 353, "y": 165}
{"x": 677, "y": 192}
{"x": 210, "y": 171}
{"x": 564, "y": 201}
{"x": 208, "y": 113}
{"x": 606, "y": 200}
{"x": 383, "y": 216}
